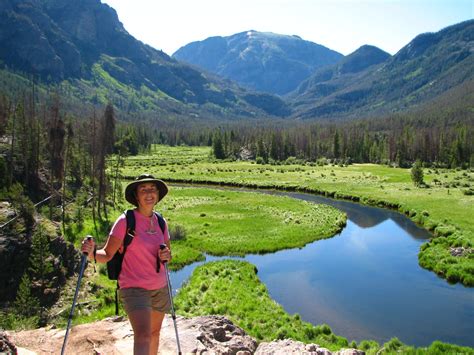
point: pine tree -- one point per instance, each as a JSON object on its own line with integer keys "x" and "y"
{"x": 336, "y": 146}
{"x": 40, "y": 264}
{"x": 25, "y": 303}
{"x": 218, "y": 147}
{"x": 417, "y": 174}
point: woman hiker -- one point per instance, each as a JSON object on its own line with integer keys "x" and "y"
{"x": 143, "y": 289}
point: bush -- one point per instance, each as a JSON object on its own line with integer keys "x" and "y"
{"x": 469, "y": 192}
{"x": 393, "y": 344}
{"x": 25, "y": 207}
{"x": 368, "y": 344}
{"x": 417, "y": 174}
{"x": 177, "y": 232}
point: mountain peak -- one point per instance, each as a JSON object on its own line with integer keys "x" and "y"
{"x": 263, "y": 61}
{"x": 362, "y": 58}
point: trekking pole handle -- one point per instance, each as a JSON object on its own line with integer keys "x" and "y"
{"x": 88, "y": 238}
{"x": 162, "y": 247}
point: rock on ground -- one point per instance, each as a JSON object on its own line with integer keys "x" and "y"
{"x": 289, "y": 346}
{"x": 211, "y": 334}
{"x": 199, "y": 335}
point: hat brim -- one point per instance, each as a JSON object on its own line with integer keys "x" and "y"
{"x": 131, "y": 188}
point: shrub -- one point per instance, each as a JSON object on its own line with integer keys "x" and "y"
{"x": 177, "y": 232}
{"x": 393, "y": 344}
{"x": 368, "y": 344}
{"x": 417, "y": 174}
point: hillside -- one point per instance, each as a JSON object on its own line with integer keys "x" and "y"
{"x": 336, "y": 77}
{"x": 428, "y": 66}
{"x": 82, "y": 45}
{"x": 262, "y": 61}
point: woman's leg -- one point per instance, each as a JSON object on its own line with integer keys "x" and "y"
{"x": 156, "y": 321}
{"x": 141, "y": 320}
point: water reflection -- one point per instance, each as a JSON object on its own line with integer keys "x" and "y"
{"x": 365, "y": 283}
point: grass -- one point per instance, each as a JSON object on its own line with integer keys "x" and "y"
{"x": 223, "y": 222}
{"x": 444, "y": 208}
{"x": 232, "y": 288}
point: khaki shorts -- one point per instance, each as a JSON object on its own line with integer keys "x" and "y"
{"x": 139, "y": 298}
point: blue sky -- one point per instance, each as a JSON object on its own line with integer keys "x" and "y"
{"x": 341, "y": 25}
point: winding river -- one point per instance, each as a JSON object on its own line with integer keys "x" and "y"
{"x": 365, "y": 282}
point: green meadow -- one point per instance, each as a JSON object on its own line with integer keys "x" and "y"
{"x": 445, "y": 206}
{"x": 222, "y": 222}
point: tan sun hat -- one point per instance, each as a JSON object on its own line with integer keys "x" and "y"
{"x": 130, "y": 190}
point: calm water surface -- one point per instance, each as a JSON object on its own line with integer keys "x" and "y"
{"x": 365, "y": 282}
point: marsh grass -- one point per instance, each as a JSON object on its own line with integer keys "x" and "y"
{"x": 221, "y": 222}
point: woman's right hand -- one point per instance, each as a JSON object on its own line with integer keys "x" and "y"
{"x": 88, "y": 246}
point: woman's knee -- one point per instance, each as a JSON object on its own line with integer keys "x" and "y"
{"x": 155, "y": 333}
{"x": 143, "y": 336}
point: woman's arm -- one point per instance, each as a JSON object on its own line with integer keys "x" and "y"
{"x": 101, "y": 255}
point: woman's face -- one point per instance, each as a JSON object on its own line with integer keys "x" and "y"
{"x": 147, "y": 194}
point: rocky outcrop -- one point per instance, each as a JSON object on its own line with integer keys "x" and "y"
{"x": 199, "y": 335}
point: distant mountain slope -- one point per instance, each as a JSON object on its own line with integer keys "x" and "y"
{"x": 429, "y": 65}
{"x": 336, "y": 77}
{"x": 84, "y": 42}
{"x": 259, "y": 60}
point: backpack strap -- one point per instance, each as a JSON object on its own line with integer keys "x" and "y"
{"x": 130, "y": 230}
{"x": 129, "y": 235}
{"x": 161, "y": 222}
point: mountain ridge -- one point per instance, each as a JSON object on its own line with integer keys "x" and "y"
{"x": 427, "y": 66}
{"x": 84, "y": 42}
{"x": 263, "y": 61}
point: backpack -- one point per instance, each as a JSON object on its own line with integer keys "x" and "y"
{"x": 114, "y": 265}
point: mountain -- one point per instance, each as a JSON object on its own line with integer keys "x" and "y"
{"x": 336, "y": 77}
{"x": 261, "y": 61}
{"x": 370, "y": 82}
{"x": 83, "y": 45}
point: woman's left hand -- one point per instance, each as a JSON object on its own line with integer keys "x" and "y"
{"x": 165, "y": 255}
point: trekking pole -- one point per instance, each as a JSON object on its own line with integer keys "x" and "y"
{"x": 81, "y": 272}
{"x": 173, "y": 314}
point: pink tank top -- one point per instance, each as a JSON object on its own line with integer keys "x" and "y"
{"x": 140, "y": 262}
